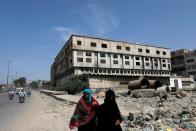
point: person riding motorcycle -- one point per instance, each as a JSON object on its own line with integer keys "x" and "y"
{"x": 11, "y": 94}
{"x": 22, "y": 95}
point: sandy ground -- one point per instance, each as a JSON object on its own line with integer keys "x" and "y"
{"x": 44, "y": 114}
{"x": 48, "y": 114}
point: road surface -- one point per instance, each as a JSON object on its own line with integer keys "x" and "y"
{"x": 11, "y": 109}
{"x": 39, "y": 113}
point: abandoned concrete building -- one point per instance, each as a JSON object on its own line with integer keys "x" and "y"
{"x": 110, "y": 63}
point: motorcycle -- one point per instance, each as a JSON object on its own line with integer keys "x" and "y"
{"x": 11, "y": 96}
{"x": 28, "y": 93}
{"x": 21, "y": 97}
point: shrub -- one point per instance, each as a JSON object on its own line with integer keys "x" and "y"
{"x": 75, "y": 83}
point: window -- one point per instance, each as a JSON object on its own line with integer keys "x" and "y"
{"x": 88, "y": 53}
{"x": 126, "y": 57}
{"x": 156, "y": 65}
{"x": 118, "y": 47}
{"x": 70, "y": 61}
{"x": 190, "y": 60}
{"x": 164, "y": 53}
{"x": 139, "y": 50}
{"x": 104, "y": 45}
{"x": 163, "y": 60}
{"x": 146, "y": 59}
{"x": 158, "y": 52}
{"x": 115, "y": 56}
{"x": 115, "y": 61}
{"x": 164, "y": 65}
{"x": 93, "y": 44}
{"x": 169, "y": 66}
{"x": 88, "y": 60}
{"x": 79, "y": 42}
{"x": 147, "y": 64}
{"x": 137, "y": 58}
{"x": 102, "y": 61}
{"x": 80, "y": 59}
{"x": 138, "y": 63}
{"x": 147, "y": 51}
{"x": 155, "y": 60}
{"x": 102, "y": 55}
{"x": 127, "y": 63}
{"x": 79, "y": 53}
{"x": 128, "y": 48}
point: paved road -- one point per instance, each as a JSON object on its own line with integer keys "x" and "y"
{"x": 11, "y": 109}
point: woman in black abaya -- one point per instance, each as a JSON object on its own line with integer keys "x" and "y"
{"x": 109, "y": 117}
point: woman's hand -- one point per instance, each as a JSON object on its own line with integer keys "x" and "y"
{"x": 117, "y": 123}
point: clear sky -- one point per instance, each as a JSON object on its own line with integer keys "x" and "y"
{"x": 32, "y": 32}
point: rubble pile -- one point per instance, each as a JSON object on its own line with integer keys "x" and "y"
{"x": 171, "y": 112}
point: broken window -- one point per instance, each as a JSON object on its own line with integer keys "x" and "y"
{"x": 139, "y": 50}
{"x": 79, "y": 42}
{"x": 93, "y": 44}
{"x": 128, "y": 48}
{"x": 118, "y": 47}
{"x": 104, "y": 45}
{"x": 147, "y": 51}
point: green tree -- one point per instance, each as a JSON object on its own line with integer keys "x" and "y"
{"x": 33, "y": 84}
{"x": 20, "y": 81}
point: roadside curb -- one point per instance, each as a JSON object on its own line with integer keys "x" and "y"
{"x": 52, "y": 94}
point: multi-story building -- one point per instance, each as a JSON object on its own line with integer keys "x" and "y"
{"x": 108, "y": 62}
{"x": 177, "y": 61}
{"x": 190, "y": 63}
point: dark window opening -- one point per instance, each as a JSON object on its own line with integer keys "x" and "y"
{"x": 191, "y": 60}
{"x": 139, "y": 50}
{"x": 127, "y": 63}
{"x": 158, "y": 52}
{"x": 102, "y": 55}
{"x": 104, "y": 45}
{"x": 115, "y": 56}
{"x": 138, "y": 63}
{"x": 88, "y": 54}
{"x": 147, "y": 59}
{"x": 80, "y": 59}
{"x": 79, "y": 42}
{"x": 88, "y": 60}
{"x": 115, "y": 62}
{"x": 147, "y": 51}
{"x": 126, "y": 57}
{"x": 128, "y": 48}
{"x": 93, "y": 44}
{"x": 118, "y": 47}
{"x": 137, "y": 58}
{"x": 164, "y": 53}
{"x": 102, "y": 61}
{"x": 147, "y": 64}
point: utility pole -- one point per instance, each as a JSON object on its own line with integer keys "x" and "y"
{"x": 8, "y": 69}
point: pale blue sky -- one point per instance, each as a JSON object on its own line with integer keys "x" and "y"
{"x": 33, "y": 31}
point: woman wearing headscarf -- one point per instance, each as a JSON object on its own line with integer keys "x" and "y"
{"x": 109, "y": 117}
{"x": 85, "y": 113}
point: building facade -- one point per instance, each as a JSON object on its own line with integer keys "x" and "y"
{"x": 184, "y": 62}
{"x": 178, "y": 62}
{"x": 109, "y": 63}
{"x": 190, "y": 63}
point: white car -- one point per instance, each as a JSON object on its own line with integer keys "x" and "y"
{"x": 18, "y": 89}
